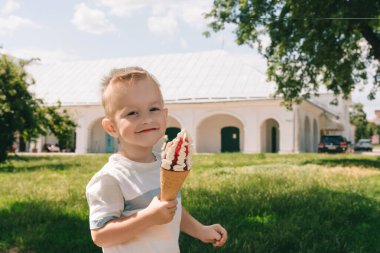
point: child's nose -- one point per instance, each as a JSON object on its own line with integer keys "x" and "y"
{"x": 147, "y": 118}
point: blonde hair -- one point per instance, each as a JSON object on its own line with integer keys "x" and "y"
{"x": 127, "y": 76}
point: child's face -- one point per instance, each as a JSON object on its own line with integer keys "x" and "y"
{"x": 140, "y": 116}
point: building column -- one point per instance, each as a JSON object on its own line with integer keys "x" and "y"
{"x": 193, "y": 134}
{"x": 287, "y": 137}
{"x": 296, "y": 131}
{"x": 39, "y": 143}
{"x": 82, "y": 136}
{"x": 251, "y": 136}
{"x": 187, "y": 120}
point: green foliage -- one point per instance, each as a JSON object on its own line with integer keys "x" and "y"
{"x": 268, "y": 203}
{"x": 22, "y": 113}
{"x": 311, "y": 42}
{"x": 59, "y": 123}
{"x": 373, "y": 129}
{"x": 363, "y": 129}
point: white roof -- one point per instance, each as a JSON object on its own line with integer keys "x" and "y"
{"x": 191, "y": 77}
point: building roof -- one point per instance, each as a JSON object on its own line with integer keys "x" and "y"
{"x": 205, "y": 76}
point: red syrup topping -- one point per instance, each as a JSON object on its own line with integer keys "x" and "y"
{"x": 187, "y": 153}
{"x": 169, "y": 145}
{"x": 176, "y": 152}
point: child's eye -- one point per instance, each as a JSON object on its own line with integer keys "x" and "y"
{"x": 132, "y": 113}
{"x": 155, "y": 109}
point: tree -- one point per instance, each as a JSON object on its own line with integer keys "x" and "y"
{"x": 373, "y": 129}
{"x": 22, "y": 113}
{"x": 330, "y": 42}
{"x": 358, "y": 118}
{"x": 59, "y": 123}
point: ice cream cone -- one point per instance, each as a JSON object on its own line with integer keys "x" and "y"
{"x": 171, "y": 183}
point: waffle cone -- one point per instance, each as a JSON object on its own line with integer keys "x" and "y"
{"x": 171, "y": 182}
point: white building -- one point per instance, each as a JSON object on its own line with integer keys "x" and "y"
{"x": 376, "y": 120}
{"x": 223, "y": 100}
{"x": 376, "y": 138}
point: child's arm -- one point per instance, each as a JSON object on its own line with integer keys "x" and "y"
{"x": 215, "y": 234}
{"x": 122, "y": 230}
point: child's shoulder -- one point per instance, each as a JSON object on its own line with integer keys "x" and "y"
{"x": 107, "y": 172}
{"x": 115, "y": 169}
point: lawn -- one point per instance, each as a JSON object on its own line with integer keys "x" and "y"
{"x": 269, "y": 203}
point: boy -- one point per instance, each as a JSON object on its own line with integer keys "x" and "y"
{"x": 125, "y": 213}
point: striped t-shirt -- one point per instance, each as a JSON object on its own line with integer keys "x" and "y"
{"x": 123, "y": 187}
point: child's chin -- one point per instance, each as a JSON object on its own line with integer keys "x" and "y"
{"x": 150, "y": 143}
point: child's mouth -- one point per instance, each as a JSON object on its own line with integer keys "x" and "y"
{"x": 147, "y": 130}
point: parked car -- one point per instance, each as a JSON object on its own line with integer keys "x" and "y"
{"x": 51, "y": 148}
{"x": 363, "y": 145}
{"x": 332, "y": 144}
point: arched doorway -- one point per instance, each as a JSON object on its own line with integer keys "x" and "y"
{"x": 274, "y": 140}
{"x": 270, "y": 136}
{"x": 100, "y": 141}
{"x": 211, "y": 138}
{"x": 230, "y": 139}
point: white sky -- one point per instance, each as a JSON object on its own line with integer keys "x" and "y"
{"x": 68, "y": 30}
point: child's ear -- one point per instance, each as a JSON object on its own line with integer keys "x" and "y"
{"x": 109, "y": 127}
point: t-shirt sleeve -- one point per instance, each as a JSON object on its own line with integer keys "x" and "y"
{"x": 105, "y": 201}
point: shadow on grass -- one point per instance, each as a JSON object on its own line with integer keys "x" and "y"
{"x": 365, "y": 162}
{"x": 314, "y": 221}
{"x": 30, "y": 163}
{"x": 35, "y": 227}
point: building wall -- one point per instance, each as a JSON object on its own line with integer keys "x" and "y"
{"x": 205, "y": 121}
{"x": 309, "y": 128}
{"x": 97, "y": 141}
{"x": 376, "y": 137}
{"x": 377, "y": 117}
{"x": 257, "y": 120}
{"x": 209, "y": 132}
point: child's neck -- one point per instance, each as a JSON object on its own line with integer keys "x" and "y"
{"x": 142, "y": 155}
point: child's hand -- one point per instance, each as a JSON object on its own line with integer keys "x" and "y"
{"x": 162, "y": 211}
{"x": 214, "y": 234}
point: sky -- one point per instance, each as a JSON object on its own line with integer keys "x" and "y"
{"x": 72, "y": 30}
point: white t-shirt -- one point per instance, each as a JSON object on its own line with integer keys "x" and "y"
{"x": 123, "y": 187}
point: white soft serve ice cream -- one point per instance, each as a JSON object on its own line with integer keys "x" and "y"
{"x": 177, "y": 153}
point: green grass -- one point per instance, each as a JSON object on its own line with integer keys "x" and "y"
{"x": 268, "y": 203}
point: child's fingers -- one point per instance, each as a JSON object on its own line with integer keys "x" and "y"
{"x": 222, "y": 232}
{"x": 172, "y": 206}
{"x": 216, "y": 244}
{"x": 223, "y": 235}
{"x": 219, "y": 243}
{"x": 172, "y": 210}
{"x": 172, "y": 203}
